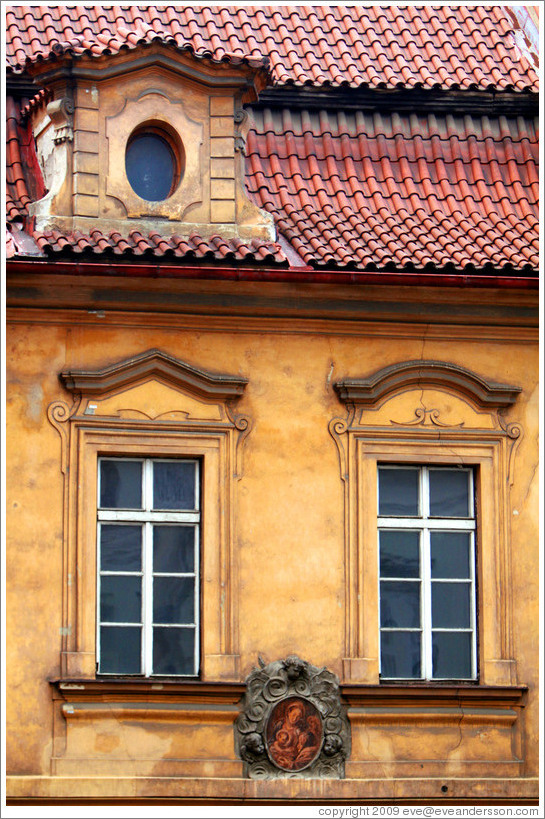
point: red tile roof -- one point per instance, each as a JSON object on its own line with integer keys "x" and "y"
{"x": 152, "y": 245}
{"x": 376, "y": 46}
{"x": 376, "y": 190}
{"x": 346, "y": 189}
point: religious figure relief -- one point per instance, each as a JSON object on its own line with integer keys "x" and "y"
{"x": 294, "y": 734}
{"x": 292, "y": 723}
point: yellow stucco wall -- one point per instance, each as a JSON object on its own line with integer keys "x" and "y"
{"x": 288, "y": 551}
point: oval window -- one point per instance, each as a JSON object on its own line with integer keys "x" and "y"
{"x": 151, "y": 166}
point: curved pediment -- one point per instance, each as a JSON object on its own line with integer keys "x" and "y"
{"x": 371, "y": 390}
{"x": 157, "y": 365}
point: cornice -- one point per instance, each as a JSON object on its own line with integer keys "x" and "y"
{"x": 370, "y": 390}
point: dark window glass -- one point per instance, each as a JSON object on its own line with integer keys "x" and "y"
{"x": 449, "y": 493}
{"x": 398, "y": 492}
{"x": 450, "y": 554}
{"x": 120, "y": 548}
{"x": 451, "y": 654}
{"x": 120, "y": 485}
{"x": 450, "y": 605}
{"x": 120, "y": 651}
{"x": 400, "y": 554}
{"x": 150, "y": 167}
{"x": 120, "y": 599}
{"x": 173, "y": 651}
{"x": 173, "y": 600}
{"x": 174, "y": 485}
{"x": 400, "y": 604}
{"x": 174, "y": 549}
{"x": 400, "y": 654}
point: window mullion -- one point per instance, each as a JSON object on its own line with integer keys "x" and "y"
{"x": 147, "y": 606}
{"x": 426, "y": 599}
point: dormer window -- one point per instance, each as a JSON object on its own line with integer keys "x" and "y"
{"x": 153, "y": 163}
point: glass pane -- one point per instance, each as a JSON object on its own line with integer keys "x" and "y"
{"x": 450, "y": 554}
{"x": 150, "y": 167}
{"x": 120, "y": 599}
{"x": 119, "y": 650}
{"x": 174, "y": 485}
{"x": 399, "y": 554}
{"x": 400, "y": 605}
{"x": 174, "y": 548}
{"x": 120, "y": 485}
{"x": 450, "y": 605}
{"x": 120, "y": 548}
{"x": 451, "y": 655}
{"x": 173, "y": 599}
{"x": 449, "y": 493}
{"x": 174, "y": 651}
{"x": 398, "y": 492}
{"x": 400, "y": 654}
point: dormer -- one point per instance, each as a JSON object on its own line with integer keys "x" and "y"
{"x": 148, "y": 137}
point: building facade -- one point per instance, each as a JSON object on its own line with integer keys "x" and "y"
{"x": 272, "y": 405}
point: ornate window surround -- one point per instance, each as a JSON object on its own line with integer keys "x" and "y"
{"x": 458, "y": 419}
{"x": 151, "y": 405}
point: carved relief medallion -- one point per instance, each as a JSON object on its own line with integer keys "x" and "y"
{"x": 292, "y": 723}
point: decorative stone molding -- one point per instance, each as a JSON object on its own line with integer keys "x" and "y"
{"x": 451, "y": 377}
{"x": 61, "y": 113}
{"x": 429, "y": 412}
{"x": 293, "y": 723}
{"x": 150, "y": 405}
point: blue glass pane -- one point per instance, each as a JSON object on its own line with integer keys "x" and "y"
{"x": 174, "y": 651}
{"x": 174, "y": 485}
{"x": 120, "y": 548}
{"x": 173, "y": 600}
{"x": 450, "y": 605}
{"x": 174, "y": 549}
{"x": 119, "y": 650}
{"x": 451, "y": 655}
{"x": 120, "y": 485}
{"x": 120, "y": 599}
{"x": 398, "y": 492}
{"x": 399, "y": 604}
{"x": 400, "y": 654}
{"x": 150, "y": 167}
{"x": 399, "y": 554}
{"x": 449, "y": 493}
{"x": 450, "y": 554}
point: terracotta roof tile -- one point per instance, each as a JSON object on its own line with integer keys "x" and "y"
{"x": 137, "y": 244}
{"x": 390, "y": 46}
{"x": 385, "y": 189}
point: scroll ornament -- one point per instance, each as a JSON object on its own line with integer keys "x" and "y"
{"x": 293, "y": 723}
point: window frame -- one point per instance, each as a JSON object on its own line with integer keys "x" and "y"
{"x": 427, "y": 412}
{"x": 147, "y": 517}
{"x": 151, "y": 405}
{"x": 425, "y": 524}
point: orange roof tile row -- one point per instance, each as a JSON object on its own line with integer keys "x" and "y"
{"x": 152, "y": 244}
{"x": 361, "y": 191}
{"x": 376, "y": 46}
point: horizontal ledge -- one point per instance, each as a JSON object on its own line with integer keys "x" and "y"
{"x": 123, "y": 691}
{"x": 435, "y": 696}
{"x": 350, "y": 790}
{"x": 151, "y": 712}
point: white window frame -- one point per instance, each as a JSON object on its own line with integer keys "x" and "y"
{"x": 147, "y": 517}
{"x": 426, "y": 525}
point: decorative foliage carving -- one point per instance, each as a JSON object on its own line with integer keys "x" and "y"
{"x": 292, "y": 723}
{"x": 426, "y": 417}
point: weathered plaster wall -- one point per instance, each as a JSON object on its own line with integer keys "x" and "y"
{"x": 289, "y": 546}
